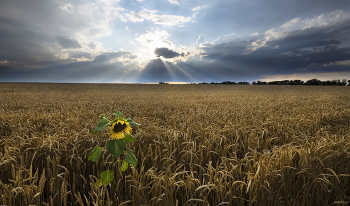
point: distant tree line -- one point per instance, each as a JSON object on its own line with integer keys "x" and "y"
{"x": 343, "y": 82}
{"x": 228, "y": 82}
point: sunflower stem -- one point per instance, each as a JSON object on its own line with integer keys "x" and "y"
{"x": 114, "y": 184}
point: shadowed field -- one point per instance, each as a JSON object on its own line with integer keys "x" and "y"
{"x": 197, "y": 144}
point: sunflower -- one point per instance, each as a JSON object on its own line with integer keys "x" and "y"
{"x": 118, "y": 128}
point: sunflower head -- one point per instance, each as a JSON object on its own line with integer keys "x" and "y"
{"x": 119, "y": 127}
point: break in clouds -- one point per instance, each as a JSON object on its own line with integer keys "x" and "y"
{"x": 57, "y": 49}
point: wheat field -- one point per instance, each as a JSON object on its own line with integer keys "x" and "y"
{"x": 197, "y": 145}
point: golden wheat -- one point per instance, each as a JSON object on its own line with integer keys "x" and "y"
{"x": 197, "y": 144}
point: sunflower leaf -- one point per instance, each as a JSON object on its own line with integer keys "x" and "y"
{"x": 95, "y": 154}
{"x": 129, "y": 138}
{"x": 124, "y": 167}
{"x": 131, "y": 122}
{"x": 117, "y": 113}
{"x": 115, "y": 147}
{"x": 107, "y": 176}
{"x": 130, "y": 157}
{"x": 101, "y": 125}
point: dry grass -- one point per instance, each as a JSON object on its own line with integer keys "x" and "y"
{"x": 197, "y": 145}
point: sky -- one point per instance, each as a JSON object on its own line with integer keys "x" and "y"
{"x": 148, "y": 41}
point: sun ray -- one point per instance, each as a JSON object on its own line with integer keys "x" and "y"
{"x": 183, "y": 72}
{"x": 167, "y": 67}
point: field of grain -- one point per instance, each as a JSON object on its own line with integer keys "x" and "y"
{"x": 197, "y": 144}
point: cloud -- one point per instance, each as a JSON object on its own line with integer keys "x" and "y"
{"x": 79, "y": 55}
{"x": 199, "y": 8}
{"x": 323, "y": 48}
{"x": 227, "y": 38}
{"x": 92, "y": 45}
{"x": 109, "y": 2}
{"x": 201, "y": 40}
{"x": 68, "y": 43}
{"x": 152, "y": 37}
{"x": 67, "y": 7}
{"x": 168, "y": 20}
{"x": 166, "y": 53}
{"x": 194, "y": 15}
{"x": 83, "y": 71}
{"x": 40, "y": 34}
{"x": 174, "y": 2}
{"x": 111, "y": 56}
{"x": 290, "y": 23}
{"x": 121, "y": 17}
{"x": 160, "y": 46}
{"x": 326, "y": 19}
{"x": 196, "y": 10}
{"x": 298, "y": 25}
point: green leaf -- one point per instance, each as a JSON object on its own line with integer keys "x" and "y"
{"x": 117, "y": 113}
{"x": 101, "y": 125}
{"x": 130, "y": 157}
{"x": 98, "y": 183}
{"x": 115, "y": 147}
{"x": 107, "y": 176}
{"x": 131, "y": 122}
{"x": 95, "y": 154}
{"x": 124, "y": 167}
{"x": 129, "y": 138}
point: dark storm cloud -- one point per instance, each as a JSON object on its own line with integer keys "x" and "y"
{"x": 298, "y": 51}
{"x": 33, "y": 34}
{"x": 79, "y": 55}
{"x": 258, "y": 15}
{"x": 18, "y": 43}
{"x": 314, "y": 37}
{"x": 26, "y": 54}
{"x": 111, "y": 55}
{"x": 230, "y": 48}
{"x": 166, "y": 53}
{"x": 68, "y": 43}
{"x": 83, "y": 71}
{"x": 24, "y": 45}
